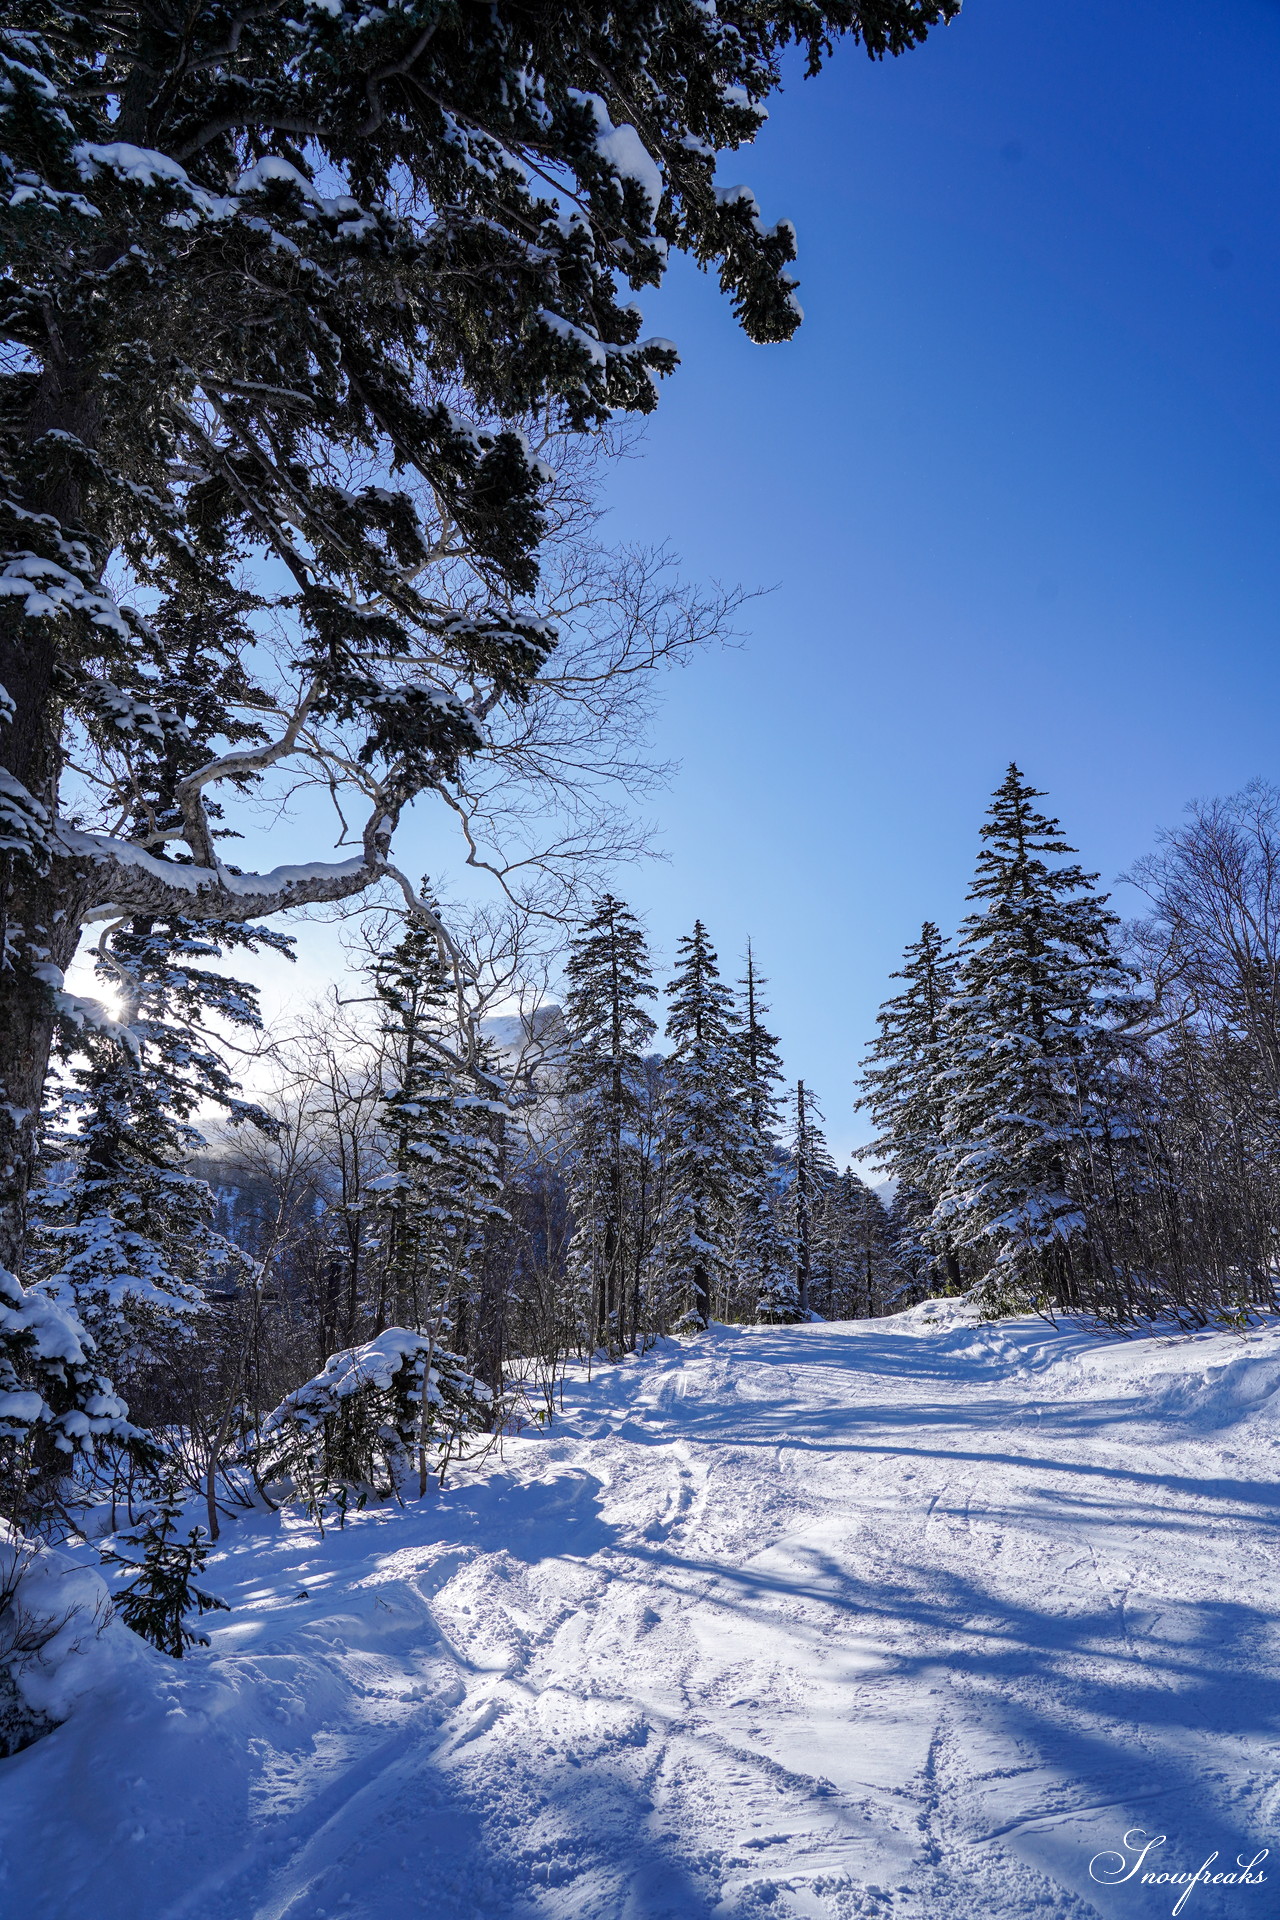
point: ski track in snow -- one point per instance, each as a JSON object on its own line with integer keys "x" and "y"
{"x": 910, "y": 1617}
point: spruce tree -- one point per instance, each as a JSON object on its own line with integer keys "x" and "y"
{"x": 129, "y": 1235}
{"x": 412, "y": 987}
{"x": 609, "y": 1031}
{"x": 57, "y": 1407}
{"x": 440, "y": 1119}
{"x": 473, "y": 1197}
{"x": 703, "y": 1134}
{"x": 902, "y": 1086}
{"x": 812, "y": 1176}
{"x": 763, "y": 1252}
{"x": 165, "y": 1590}
{"x": 857, "y": 1255}
{"x": 915, "y": 1247}
{"x": 1029, "y": 1040}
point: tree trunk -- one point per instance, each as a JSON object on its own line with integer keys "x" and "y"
{"x": 36, "y": 929}
{"x": 701, "y": 1294}
{"x": 37, "y": 933}
{"x": 26, "y": 1035}
{"x": 215, "y": 1460}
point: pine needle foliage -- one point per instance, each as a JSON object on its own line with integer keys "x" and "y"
{"x": 1039, "y": 987}
{"x": 764, "y": 1254}
{"x": 609, "y": 1032}
{"x": 902, "y": 1086}
{"x": 703, "y": 1132}
{"x": 156, "y": 1603}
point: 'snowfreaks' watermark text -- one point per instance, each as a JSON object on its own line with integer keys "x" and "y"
{"x": 1140, "y": 1863}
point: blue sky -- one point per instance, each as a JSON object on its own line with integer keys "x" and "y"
{"x": 1016, "y": 484}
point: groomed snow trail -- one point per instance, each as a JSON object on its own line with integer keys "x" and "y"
{"x": 912, "y": 1617}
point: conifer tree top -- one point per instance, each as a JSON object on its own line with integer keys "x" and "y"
{"x": 609, "y": 976}
{"x": 701, "y": 1011}
{"x": 1043, "y": 932}
{"x": 760, "y": 1061}
{"x": 1017, "y": 837}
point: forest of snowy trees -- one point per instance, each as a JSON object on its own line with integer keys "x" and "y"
{"x": 314, "y": 342}
{"x": 1073, "y": 1115}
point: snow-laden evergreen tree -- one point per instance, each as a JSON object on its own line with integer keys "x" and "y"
{"x": 704, "y": 1133}
{"x": 478, "y": 1154}
{"x": 131, "y": 1232}
{"x": 354, "y": 1430}
{"x": 609, "y": 1031}
{"x": 856, "y": 1254}
{"x": 441, "y": 1117}
{"x": 1029, "y": 1043}
{"x": 813, "y": 1174}
{"x": 285, "y": 280}
{"x": 128, "y": 1240}
{"x": 57, "y": 1407}
{"x": 903, "y": 1087}
{"x": 764, "y": 1256}
{"x": 412, "y": 985}
{"x": 914, "y": 1246}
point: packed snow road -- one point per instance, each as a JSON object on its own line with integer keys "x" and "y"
{"x": 912, "y": 1617}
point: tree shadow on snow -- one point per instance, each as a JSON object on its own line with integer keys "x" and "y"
{"x": 1165, "y": 1713}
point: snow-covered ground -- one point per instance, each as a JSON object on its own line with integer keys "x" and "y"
{"x": 911, "y": 1617}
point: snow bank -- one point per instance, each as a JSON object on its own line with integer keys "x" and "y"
{"x": 56, "y": 1642}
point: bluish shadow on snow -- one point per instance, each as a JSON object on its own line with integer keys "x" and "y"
{"x": 556, "y": 1514}
{"x": 401, "y": 1835}
{"x": 778, "y": 1420}
{"x": 977, "y": 1350}
{"x": 535, "y": 1520}
{"x": 1115, "y": 1694}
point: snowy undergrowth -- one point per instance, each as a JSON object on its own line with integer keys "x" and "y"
{"x": 913, "y": 1617}
{"x": 58, "y": 1642}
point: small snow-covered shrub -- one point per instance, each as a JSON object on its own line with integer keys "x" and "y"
{"x": 52, "y": 1612}
{"x": 357, "y": 1425}
{"x": 163, "y": 1591}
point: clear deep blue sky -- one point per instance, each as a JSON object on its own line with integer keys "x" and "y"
{"x": 1016, "y": 482}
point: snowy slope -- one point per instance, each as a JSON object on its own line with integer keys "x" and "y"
{"x": 909, "y": 1617}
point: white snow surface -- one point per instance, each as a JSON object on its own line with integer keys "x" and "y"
{"x": 911, "y": 1617}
